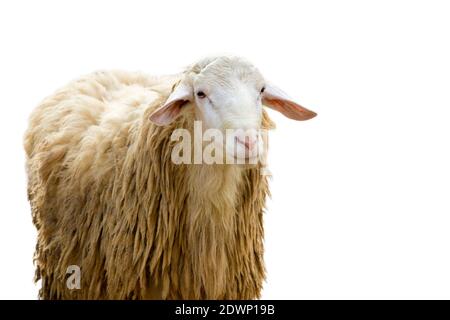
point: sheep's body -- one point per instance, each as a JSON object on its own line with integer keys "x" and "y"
{"x": 105, "y": 196}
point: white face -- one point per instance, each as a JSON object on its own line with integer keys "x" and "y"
{"x": 236, "y": 103}
{"x": 228, "y": 94}
{"x": 232, "y": 103}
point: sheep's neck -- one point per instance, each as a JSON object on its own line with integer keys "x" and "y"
{"x": 211, "y": 226}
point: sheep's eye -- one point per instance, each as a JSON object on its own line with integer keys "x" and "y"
{"x": 262, "y": 90}
{"x": 201, "y": 94}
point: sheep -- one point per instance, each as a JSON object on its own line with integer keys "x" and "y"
{"x": 106, "y": 196}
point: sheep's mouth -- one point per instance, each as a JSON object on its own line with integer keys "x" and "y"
{"x": 253, "y": 159}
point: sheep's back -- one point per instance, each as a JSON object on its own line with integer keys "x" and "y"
{"x": 88, "y": 123}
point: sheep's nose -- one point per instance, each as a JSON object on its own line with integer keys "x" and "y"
{"x": 248, "y": 142}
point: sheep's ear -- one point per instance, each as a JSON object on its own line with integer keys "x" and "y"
{"x": 165, "y": 114}
{"x": 276, "y": 99}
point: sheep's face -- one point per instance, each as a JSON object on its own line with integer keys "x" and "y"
{"x": 228, "y": 94}
{"x": 228, "y": 97}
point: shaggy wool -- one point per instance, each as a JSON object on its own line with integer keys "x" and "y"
{"x": 106, "y": 196}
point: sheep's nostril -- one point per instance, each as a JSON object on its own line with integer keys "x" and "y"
{"x": 248, "y": 142}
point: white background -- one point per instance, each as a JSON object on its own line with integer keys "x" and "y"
{"x": 361, "y": 194}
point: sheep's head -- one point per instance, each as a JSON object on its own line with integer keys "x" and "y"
{"x": 228, "y": 93}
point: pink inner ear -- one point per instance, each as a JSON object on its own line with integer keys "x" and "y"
{"x": 289, "y": 108}
{"x": 166, "y": 114}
